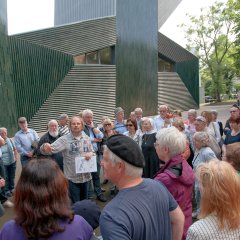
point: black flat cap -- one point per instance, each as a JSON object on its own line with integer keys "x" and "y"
{"x": 89, "y": 210}
{"x": 127, "y": 149}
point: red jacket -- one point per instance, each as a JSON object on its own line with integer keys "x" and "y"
{"x": 180, "y": 187}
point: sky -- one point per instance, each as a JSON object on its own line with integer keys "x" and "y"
{"x": 29, "y": 15}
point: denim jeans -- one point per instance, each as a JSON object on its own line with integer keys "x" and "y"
{"x": 24, "y": 160}
{"x": 96, "y": 177}
{"x": 10, "y": 171}
{"x": 78, "y": 191}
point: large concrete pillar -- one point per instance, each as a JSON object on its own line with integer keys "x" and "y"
{"x": 137, "y": 55}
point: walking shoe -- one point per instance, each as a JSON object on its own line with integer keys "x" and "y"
{"x": 101, "y": 198}
{"x": 8, "y": 204}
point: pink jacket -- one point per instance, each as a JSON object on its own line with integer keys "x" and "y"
{"x": 179, "y": 186}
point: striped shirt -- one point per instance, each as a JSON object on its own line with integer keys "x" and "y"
{"x": 71, "y": 148}
{"x": 63, "y": 130}
{"x": 208, "y": 229}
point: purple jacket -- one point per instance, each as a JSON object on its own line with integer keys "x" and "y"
{"x": 180, "y": 187}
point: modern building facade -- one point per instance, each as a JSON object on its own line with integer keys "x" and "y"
{"x": 112, "y": 56}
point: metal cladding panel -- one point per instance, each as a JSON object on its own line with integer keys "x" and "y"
{"x": 173, "y": 92}
{"x": 75, "y": 38}
{"x": 7, "y": 100}
{"x": 186, "y": 64}
{"x": 165, "y": 9}
{"x": 84, "y": 87}
{"x": 172, "y": 51}
{"x": 189, "y": 73}
{"x": 69, "y": 11}
{"x": 36, "y": 73}
{"x": 136, "y": 55}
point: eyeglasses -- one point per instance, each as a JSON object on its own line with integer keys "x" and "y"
{"x": 156, "y": 144}
{"x": 129, "y": 125}
{"x": 232, "y": 111}
{"x": 107, "y": 124}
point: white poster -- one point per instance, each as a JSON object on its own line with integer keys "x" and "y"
{"x": 84, "y": 166}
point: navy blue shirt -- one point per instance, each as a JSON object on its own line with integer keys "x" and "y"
{"x": 229, "y": 139}
{"x": 139, "y": 213}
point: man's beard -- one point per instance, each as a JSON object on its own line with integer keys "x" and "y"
{"x": 53, "y": 133}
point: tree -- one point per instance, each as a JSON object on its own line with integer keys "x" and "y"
{"x": 211, "y": 33}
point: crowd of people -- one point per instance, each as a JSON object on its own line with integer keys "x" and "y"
{"x": 163, "y": 172}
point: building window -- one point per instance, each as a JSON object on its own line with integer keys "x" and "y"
{"x": 164, "y": 66}
{"x": 80, "y": 59}
{"x": 92, "y": 58}
{"x": 105, "y": 56}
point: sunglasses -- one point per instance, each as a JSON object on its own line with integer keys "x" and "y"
{"x": 107, "y": 124}
{"x": 129, "y": 125}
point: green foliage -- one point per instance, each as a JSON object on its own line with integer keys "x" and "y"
{"x": 211, "y": 34}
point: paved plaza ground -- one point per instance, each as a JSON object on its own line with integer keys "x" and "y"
{"x": 223, "y": 112}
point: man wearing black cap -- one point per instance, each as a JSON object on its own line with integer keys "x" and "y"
{"x": 143, "y": 208}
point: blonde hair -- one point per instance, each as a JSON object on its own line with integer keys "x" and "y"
{"x": 208, "y": 116}
{"x": 178, "y": 122}
{"x": 202, "y": 137}
{"x": 220, "y": 188}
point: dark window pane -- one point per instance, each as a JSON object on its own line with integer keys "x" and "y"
{"x": 105, "y": 56}
{"x": 92, "y": 58}
{"x": 164, "y": 66}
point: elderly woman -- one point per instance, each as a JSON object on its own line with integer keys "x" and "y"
{"x": 220, "y": 203}
{"x": 176, "y": 174}
{"x": 9, "y": 156}
{"x": 202, "y": 154}
{"x": 149, "y": 152}
{"x": 133, "y": 131}
{"x": 42, "y": 206}
{"x": 192, "y": 114}
{"x": 232, "y": 135}
{"x": 213, "y": 127}
{"x": 178, "y": 123}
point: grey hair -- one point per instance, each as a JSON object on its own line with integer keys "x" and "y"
{"x": 214, "y": 112}
{"x": 202, "y": 137}
{"x": 138, "y": 110}
{"x": 193, "y": 112}
{"x": 2, "y": 129}
{"x": 150, "y": 121}
{"x": 52, "y": 121}
{"x": 173, "y": 139}
{"x": 87, "y": 111}
{"x": 130, "y": 170}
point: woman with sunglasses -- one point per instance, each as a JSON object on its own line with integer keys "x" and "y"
{"x": 133, "y": 131}
{"x": 107, "y": 132}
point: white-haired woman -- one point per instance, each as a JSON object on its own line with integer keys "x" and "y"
{"x": 192, "y": 114}
{"x": 148, "y": 139}
{"x": 203, "y": 153}
{"x": 220, "y": 203}
{"x": 176, "y": 174}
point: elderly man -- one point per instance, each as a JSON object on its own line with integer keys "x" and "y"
{"x": 201, "y": 126}
{"x": 50, "y": 137}
{"x": 163, "y": 119}
{"x": 26, "y": 141}
{"x": 119, "y": 124}
{"x": 73, "y": 146}
{"x": 139, "y": 114}
{"x": 143, "y": 208}
{"x": 63, "y": 124}
{"x": 234, "y": 112}
{"x": 96, "y": 137}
